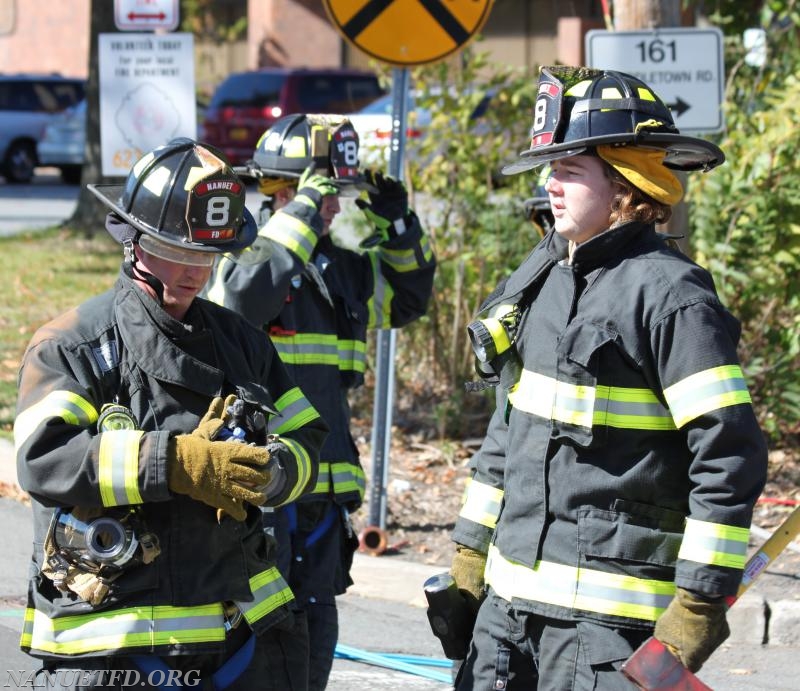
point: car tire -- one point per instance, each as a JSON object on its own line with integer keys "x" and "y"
{"x": 71, "y": 175}
{"x": 20, "y": 162}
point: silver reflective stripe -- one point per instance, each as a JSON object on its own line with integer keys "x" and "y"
{"x": 118, "y": 467}
{"x": 294, "y": 352}
{"x": 707, "y": 391}
{"x": 131, "y": 627}
{"x": 401, "y": 261}
{"x": 292, "y": 233}
{"x": 714, "y": 543}
{"x": 295, "y": 412}
{"x": 582, "y": 589}
{"x": 482, "y": 503}
{"x": 64, "y": 405}
{"x": 270, "y": 591}
{"x": 352, "y": 355}
{"x": 586, "y": 406}
{"x": 380, "y": 302}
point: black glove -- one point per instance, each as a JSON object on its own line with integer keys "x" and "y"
{"x": 387, "y": 207}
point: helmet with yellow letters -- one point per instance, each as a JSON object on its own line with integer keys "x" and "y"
{"x": 180, "y": 196}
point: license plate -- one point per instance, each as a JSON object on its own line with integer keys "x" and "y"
{"x": 238, "y": 134}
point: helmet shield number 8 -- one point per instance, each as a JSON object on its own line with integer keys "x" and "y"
{"x": 214, "y": 209}
{"x": 344, "y": 151}
{"x": 546, "y": 111}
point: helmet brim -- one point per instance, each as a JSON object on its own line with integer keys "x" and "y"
{"x": 681, "y": 152}
{"x": 349, "y": 187}
{"x": 111, "y": 194}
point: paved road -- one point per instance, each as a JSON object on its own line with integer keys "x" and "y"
{"x": 43, "y": 203}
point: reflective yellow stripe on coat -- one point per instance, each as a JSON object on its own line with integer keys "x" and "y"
{"x": 64, "y": 405}
{"x": 321, "y": 349}
{"x": 345, "y": 476}
{"x": 578, "y": 588}
{"x": 481, "y": 503}
{"x": 585, "y": 406}
{"x": 119, "y": 467}
{"x": 630, "y": 408}
{"x": 293, "y": 234}
{"x": 142, "y": 627}
{"x": 714, "y": 543}
{"x": 705, "y": 392}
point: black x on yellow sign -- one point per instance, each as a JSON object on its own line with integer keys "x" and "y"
{"x": 408, "y": 32}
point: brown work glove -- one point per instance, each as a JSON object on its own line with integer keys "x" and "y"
{"x": 215, "y": 418}
{"x": 692, "y": 627}
{"x": 467, "y": 571}
{"x": 219, "y": 473}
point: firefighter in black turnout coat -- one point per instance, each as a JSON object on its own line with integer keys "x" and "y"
{"x": 317, "y": 299}
{"x": 151, "y": 425}
{"x": 612, "y": 496}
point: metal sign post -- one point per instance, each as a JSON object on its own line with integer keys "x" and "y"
{"x": 386, "y": 338}
{"x": 401, "y": 34}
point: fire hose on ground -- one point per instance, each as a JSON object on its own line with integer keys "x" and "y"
{"x": 418, "y": 665}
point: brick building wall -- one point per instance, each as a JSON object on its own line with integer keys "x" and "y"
{"x": 54, "y": 37}
{"x": 44, "y": 37}
{"x": 291, "y": 32}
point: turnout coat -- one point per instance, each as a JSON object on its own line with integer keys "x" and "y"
{"x": 121, "y": 347}
{"x": 317, "y": 300}
{"x": 624, "y": 457}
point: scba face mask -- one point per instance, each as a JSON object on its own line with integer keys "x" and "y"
{"x": 99, "y": 543}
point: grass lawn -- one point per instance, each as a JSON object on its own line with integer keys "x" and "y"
{"x": 45, "y": 273}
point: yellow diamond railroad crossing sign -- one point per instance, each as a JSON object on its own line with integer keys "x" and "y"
{"x": 408, "y": 32}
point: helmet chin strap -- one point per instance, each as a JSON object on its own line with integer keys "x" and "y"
{"x": 134, "y": 270}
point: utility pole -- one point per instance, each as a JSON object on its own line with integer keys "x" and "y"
{"x": 89, "y": 215}
{"x": 632, "y": 15}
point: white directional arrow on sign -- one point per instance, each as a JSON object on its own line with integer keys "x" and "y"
{"x": 143, "y": 15}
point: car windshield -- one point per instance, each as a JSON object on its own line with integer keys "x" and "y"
{"x": 251, "y": 89}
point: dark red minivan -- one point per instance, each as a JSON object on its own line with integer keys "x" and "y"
{"x": 245, "y": 104}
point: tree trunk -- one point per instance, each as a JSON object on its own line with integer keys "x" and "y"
{"x": 630, "y": 15}
{"x": 89, "y": 213}
{"x": 646, "y": 14}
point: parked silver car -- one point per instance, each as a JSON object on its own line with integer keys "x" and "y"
{"x": 28, "y": 102}
{"x": 64, "y": 141}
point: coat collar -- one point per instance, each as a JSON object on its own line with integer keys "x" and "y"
{"x": 593, "y": 253}
{"x": 148, "y": 333}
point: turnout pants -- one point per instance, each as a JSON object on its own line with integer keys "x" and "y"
{"x": 315, "y": 552}
{"x": 520, "y": 651}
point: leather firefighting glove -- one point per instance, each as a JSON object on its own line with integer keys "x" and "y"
{"x": 312, "y": 187}
{"x": 467, "y": 570}
{"x": 692, "y": 627}
{"x": 218, "y": 473}
{"x": 215, "y": 419}
{"x": 386, "y": 210}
